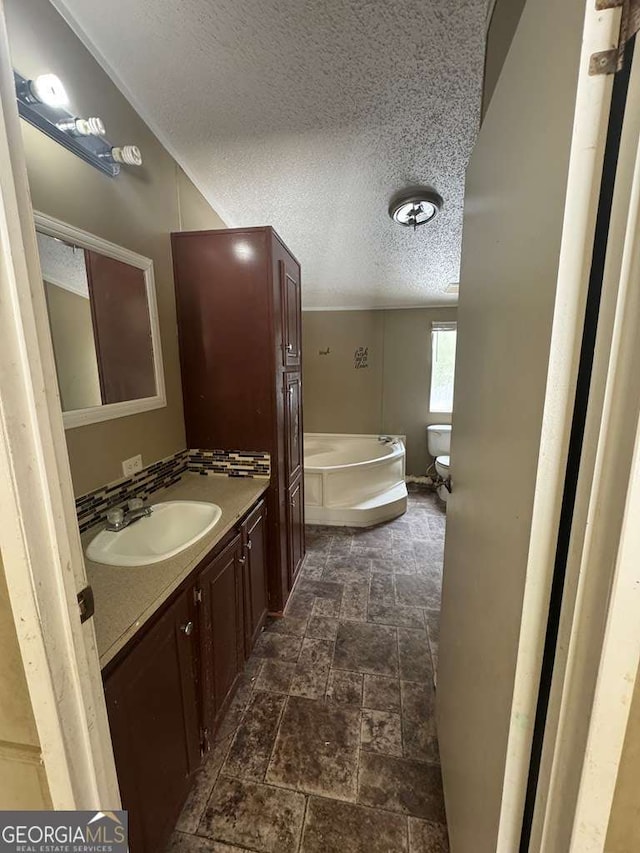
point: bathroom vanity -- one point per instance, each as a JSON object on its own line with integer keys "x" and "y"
{"x": 173, "y": 639}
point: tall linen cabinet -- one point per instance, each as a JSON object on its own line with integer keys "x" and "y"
{"x": 239, "y": 326}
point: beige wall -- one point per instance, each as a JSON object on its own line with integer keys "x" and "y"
{"x": 623, "y": 835}
{"x": 338, "y": 398}
{"x": 74, "y": 348}
{"x": 195, "y": 212}
{"x": 495, "y": 551}
{"x": 137, "y": 210}
{"x": 391, "y": 394}
{"x": 23, "y": 783}
{"x": 504, "y": 20}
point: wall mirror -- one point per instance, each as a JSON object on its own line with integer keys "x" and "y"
{"x": 103, "y": 317}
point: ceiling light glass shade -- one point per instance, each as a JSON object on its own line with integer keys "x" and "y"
{"x": 48, "y": 89}
{"x": 415, "y": 207}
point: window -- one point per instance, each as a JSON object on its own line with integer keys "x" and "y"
{"x": 443, "y": 360}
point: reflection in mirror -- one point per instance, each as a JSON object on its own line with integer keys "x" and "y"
{"x": 67, "y": 293}
{"x": 103, "y": 327}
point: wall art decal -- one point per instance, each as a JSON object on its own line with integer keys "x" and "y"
{"x": 361, "y": 358}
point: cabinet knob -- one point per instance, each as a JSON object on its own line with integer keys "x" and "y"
{"x": 249, "y": 545}
{"x": 187, "y": 628}
{"x": 289, "y": 347}
{"x": 242, "y": 560}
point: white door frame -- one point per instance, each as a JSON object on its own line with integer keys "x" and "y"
{"x": 42, "y": 556}
{"x": 582, "y": 195}
{"x": 39, "y": 537}
{"x": 599, "y": 639}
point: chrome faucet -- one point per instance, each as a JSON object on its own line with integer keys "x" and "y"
{"x": 118, "y": 518}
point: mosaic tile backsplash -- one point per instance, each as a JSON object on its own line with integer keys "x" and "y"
{"x": 233, "y": 463}
{"x": 92, "y": 508}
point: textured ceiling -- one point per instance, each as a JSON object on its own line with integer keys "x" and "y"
{"x": 309, "y": 116}
{"x": 63, "y": 264}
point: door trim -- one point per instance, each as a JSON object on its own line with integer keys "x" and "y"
{"x": 582, "y": 193}
{"x": 599, "y": 635}
{"x": 39, "y": 537}
{"x": 576, "y": 442}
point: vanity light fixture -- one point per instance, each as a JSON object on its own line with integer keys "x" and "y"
{"x": 43, "y": 103}
{"x": 415, "y": 206}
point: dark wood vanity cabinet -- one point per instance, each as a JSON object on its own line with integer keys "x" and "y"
{"x": 239, "y": 325}
{"x": 291, "y": 316}
{"x": 168, "y": 690}
{"x": 219, "y": 593}
{"x": 254, "y": 560}
{"x": 153, "y": 714}
{"x": 295, "y": 527}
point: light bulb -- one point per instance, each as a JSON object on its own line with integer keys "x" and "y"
{"x": 130, "y": 155}
{"x": 83, "y": 126}
{"x": 48, "y": 89}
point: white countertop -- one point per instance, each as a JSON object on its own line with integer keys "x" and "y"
{"x": 126, "y": 597}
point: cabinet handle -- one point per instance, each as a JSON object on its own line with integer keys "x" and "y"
{"x": 248, "y": 545}
{"x": 289, "y": 347}
{"x": 242, "y": 560}
{"x": 187, "y": 628}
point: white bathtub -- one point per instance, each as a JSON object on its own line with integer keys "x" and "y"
{"x": 353, "y": 480}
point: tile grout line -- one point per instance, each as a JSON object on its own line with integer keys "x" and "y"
{"x": 275, "y": 739}
{"x": 304, "y": 821}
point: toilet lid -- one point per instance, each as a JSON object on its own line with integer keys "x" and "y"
{"x": 443, "y": 461}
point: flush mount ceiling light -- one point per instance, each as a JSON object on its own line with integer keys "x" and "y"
{"x": 415, "y": 206}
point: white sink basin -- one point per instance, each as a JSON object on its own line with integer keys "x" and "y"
{"x": 171, "y": 527}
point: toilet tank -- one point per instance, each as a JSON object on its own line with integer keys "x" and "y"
{"x": 439, "y": 439}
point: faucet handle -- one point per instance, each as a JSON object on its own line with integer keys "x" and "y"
{"x": 115, "y": 516}
{"x": 135, "y": 503}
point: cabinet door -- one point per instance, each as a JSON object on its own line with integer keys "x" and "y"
{"x": 153, "y": 716}
{"x": 221, "y": 632}
{"x": 295, "y": 528}
{"x": 293, "y": 425}
{"x": 121, "y": 329}
{"x": 255, "y": 575}
{"x": 291, "y": 314}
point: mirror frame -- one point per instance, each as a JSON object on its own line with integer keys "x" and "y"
{"x": 94, "y": 414}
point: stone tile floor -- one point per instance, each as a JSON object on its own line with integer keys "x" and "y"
{"x": 330, "y": 743}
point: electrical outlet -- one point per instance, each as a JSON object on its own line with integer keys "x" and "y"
{"x": 131, "y": 466}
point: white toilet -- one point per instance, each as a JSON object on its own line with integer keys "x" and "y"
{"x": 439, "y": 445}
